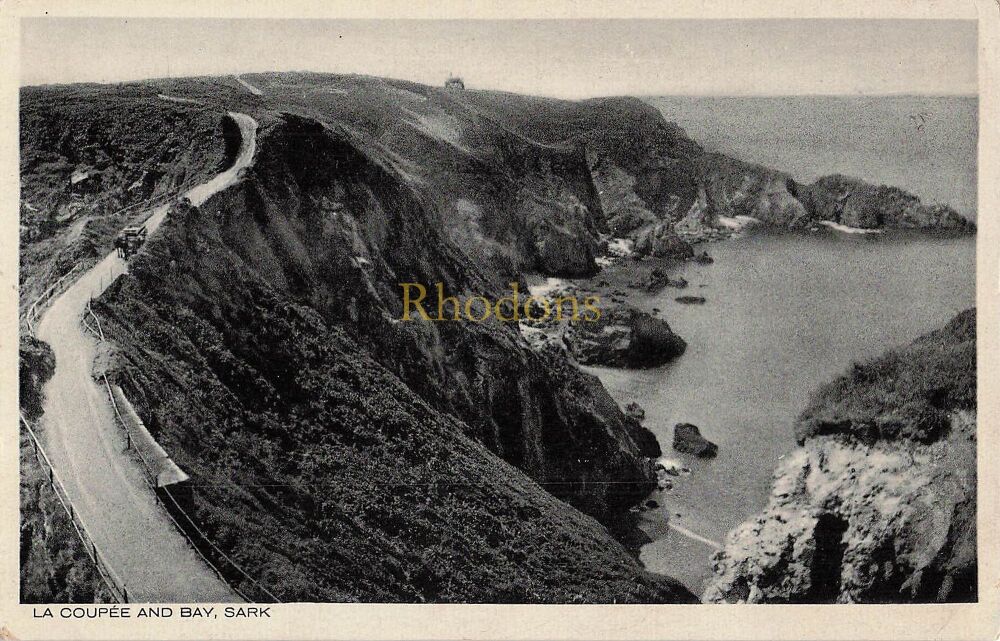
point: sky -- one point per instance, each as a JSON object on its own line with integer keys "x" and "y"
{"x": 560, "y": 58}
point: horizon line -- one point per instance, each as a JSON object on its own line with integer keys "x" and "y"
{"x": 666, "y": 94}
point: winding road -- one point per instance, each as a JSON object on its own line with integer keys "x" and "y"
{"x": 136, "y": 536}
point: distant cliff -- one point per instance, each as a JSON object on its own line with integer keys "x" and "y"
{"x": 878, "y": 505}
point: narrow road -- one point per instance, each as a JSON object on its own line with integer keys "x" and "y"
{"x": 105, "y": 483}
{"x": 249, "y": 87}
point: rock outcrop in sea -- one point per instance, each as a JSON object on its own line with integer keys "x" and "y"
{"x": 688, "y": 439}
{"x": 623, "y": 337}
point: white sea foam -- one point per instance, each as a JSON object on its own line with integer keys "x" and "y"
{"x": 848, "y": 230}
{"x": 620, "y": 247}
{"x": 544, "y": 289}
{"x": 671, "y": 464}
{"x": 738, "y": 222}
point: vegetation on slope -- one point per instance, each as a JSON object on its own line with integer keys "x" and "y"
{"x": 318, "y": 470}
{"x": 907, "y": 393}
{"x": 878, "y": 505}
{"x": 89, "y": 151}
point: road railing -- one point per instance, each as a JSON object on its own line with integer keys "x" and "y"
{"x": 200, "y": 541}
{"x": 202, "y": 544}
{"x": 31, "y": 316}
{"x": 115, "y": 585}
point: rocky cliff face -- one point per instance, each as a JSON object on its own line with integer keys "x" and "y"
{"x": 320, "y": 466}
{"x": 861, "y": 515}
{"x": 736, "y": 188}
{"x": 261, "y": 333}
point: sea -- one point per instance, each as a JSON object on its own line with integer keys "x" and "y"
{"x": 787, "y": 312}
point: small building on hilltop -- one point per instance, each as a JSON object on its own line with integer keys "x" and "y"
{"x": 454, "y": 82}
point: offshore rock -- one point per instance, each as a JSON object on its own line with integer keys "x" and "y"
{"x": 634, "y": 410}
{"x": 623, "y": 337}
{"x": 688, "y": 439}
{"x": 662, "y": 241}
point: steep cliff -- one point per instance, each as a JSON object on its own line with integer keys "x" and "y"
{"x": 318, "y": 467}
{"x": 260, "y": 338}
{"x": 879, "y": 506}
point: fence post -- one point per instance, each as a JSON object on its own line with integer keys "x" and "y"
{"x": 52, "y": 478}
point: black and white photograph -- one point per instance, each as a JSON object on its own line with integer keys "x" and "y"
{"x": 495, "y": 311}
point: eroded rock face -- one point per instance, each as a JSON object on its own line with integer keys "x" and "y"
{"x": 737, "y": 188}
{"x": 872, "y": 508}
{"x": 565, "y": 250}
{"x": 850, "y": 523}
{"x": 623, "y": 337}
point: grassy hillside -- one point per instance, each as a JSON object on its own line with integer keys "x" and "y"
{"x": 907, "y": 393}
{"x": 340, "y": 454}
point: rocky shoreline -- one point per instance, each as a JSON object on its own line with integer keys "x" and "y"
{"x": 855, "y": 477}
{"x": 878, "y": 504}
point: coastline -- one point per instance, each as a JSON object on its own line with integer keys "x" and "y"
{"x": 685, "y": 520}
